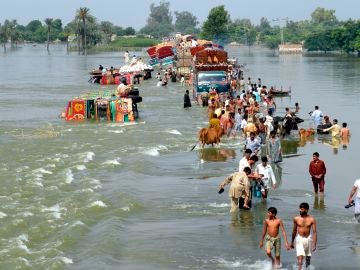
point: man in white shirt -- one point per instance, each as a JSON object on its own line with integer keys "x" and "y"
{"x": 316, "y": 116}
{"x": 356, "y": 189}
{"x": 244, "y": 162}
{"x": 267, "y": 176}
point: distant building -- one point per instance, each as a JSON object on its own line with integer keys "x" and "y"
{"x": 291, "y": 48}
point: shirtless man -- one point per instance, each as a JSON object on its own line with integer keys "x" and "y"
{"x": 272, "y": 239}
{"x": 304, "y": 243}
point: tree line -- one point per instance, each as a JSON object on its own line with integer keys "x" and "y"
{"x": 322, "y": 32}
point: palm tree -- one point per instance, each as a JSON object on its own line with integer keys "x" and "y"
{"x": 83, "y": 15}
{"x": 48, "y": 22}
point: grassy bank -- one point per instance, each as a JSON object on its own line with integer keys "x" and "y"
{"x": 121, "y": 44}
{"x": 134, "y": 42}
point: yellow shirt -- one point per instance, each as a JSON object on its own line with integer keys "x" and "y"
{"x": 335, "y": 130}
{"x": 214, "y": 123}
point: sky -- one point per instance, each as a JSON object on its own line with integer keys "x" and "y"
{"x": 134, "y": 13}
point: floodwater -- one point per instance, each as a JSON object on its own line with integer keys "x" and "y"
{"x": 113, "y": 196}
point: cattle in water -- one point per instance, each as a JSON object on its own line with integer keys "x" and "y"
{"x": 210, "y": 136}
{"x": 286, "y": 124}
{"x": 305, "y": 133}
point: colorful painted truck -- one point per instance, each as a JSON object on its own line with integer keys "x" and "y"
{"x": 104, "y": 106}
{"x": 210, "y": 69}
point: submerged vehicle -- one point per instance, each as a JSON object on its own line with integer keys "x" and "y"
{"x": 105, "y": 106}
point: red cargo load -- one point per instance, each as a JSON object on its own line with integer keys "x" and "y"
{"x": 165, "y": 51}
{"x": 196, "y": 49}
{"x": 152, "y": 52}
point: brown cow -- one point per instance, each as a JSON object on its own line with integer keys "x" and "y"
{"x": 210, "y": 136}
{"x": 306, "y": 132}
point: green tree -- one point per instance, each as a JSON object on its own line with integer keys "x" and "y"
{"x": 129, "y": 31}
{"x": 322, "y": 41}
{"x": 272, "y": 41}
{"x": 33, "y": 25}
{"x": 216, "y": 25}
{"x": 108, "y": 29}
{"x": 119, "y": 31}
{"x": 357, "y": 45}
{"x": 324, "y": 17}
{"x": 83, "y": 15}
{"x": 159, "y": 23}
{"x": 3, "y": 36}
{"x": 48, "y": 22}
{"x": 185, "y": 22}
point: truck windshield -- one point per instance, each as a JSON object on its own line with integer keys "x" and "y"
{"x": 211, "y": 78}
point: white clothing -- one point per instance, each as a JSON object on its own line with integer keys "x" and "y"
{"x": 303, "y": 246}
{"x": 243, "y": 163}
{"x": 269, "y": 176}
{"x": 126, "y": 56}
{"x": 243, "y": 123}
{"x": 357, "y": 198}
{"x": 316, "y": 116}
{"x": 357, "y": 185}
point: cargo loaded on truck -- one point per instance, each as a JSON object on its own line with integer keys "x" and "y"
{"x": 210, "y": 70}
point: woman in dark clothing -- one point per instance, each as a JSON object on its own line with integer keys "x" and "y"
{"x": 187, "y": 102}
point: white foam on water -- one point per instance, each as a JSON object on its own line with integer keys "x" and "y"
{"x": 77, "y": 223}
{"x": 127, "y": 208}
{"x": 81, "y": 167}
{"x": 182, "y": 206}
{"x": 98, "y": 204}
{"x": 174, "y": 131}
{"x": 154, "y": 151}
{"x": 125, "y": 124}
{"x": 308, "y": 195}
{"x": 112, "y": 161}
{"x": 55, "y": 210}
{"x": 88, "y": 156}
{"x": 42, "y": 171}
{"x": 2, "y": 215}
{"x": 27, "y": 214}
{"x": 220, "y": 205}
{"x": 21, "y": 168}
{"x": 27, "y": 263}
{"x": 95, "y": 181}
{"x": 67, "y": 260}
{"x": 69, "y": 176}
{"x": 116, "y": 131}
{"x": 20, "y": 242}
{"x": 245, "y": 264}
{"x": 39, "y": 184}
{"x": 87, "y": 190}
{"x": 50, "y": 165}
{"x": 23, "y": 237}
{"x": 348, "y": 221}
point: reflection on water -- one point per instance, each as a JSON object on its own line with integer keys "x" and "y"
{"x": 319, "y": 203}
{"x": 216, "y": 154}
{"x": 303, "y": 140}
{"x": 278, "y": 174}
{"x": 289, "y": 146}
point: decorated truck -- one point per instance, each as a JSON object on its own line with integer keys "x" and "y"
{"x": 210, "y": 69}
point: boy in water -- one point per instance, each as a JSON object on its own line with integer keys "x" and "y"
{"x": 272, "y": 238}
{"x": 304, "y": 242}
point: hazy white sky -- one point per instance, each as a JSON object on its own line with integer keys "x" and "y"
{"x": 135, "y": 12}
